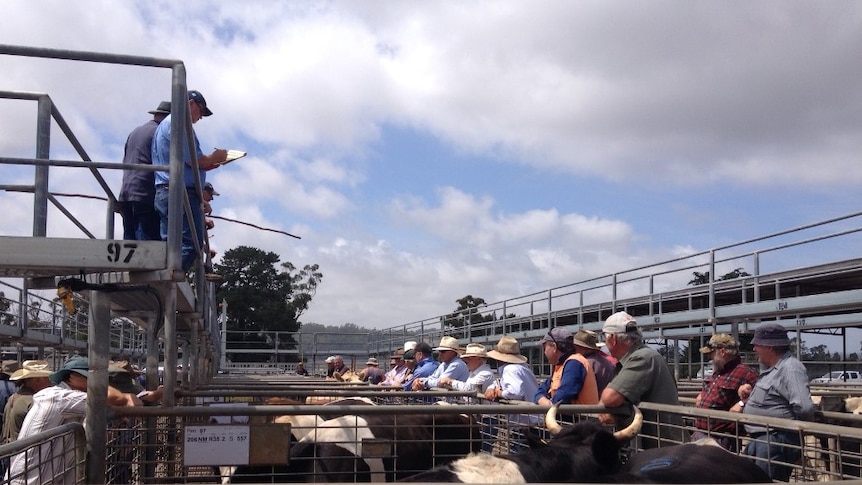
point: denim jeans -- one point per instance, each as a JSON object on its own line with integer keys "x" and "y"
{"x": 188, "y": 246}
{"x": 773, "y": 447}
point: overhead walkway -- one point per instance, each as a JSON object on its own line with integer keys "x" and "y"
{"x": 136, "y": 300}
{"x": 807, "y": 278}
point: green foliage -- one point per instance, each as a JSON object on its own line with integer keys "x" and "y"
{"x": 261, "y": 297}
{"x": 466, "y": 313}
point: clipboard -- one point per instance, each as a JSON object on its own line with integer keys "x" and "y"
{"x": 231, "y": 156}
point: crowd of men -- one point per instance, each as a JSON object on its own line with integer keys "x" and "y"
{"x": 620, "y": 372}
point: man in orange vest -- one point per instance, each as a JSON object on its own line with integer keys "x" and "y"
{"x": 572, "y": 380}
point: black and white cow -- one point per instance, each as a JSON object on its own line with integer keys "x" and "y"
{"x": 333, "y": 451}
{"x": 587, "y": 453}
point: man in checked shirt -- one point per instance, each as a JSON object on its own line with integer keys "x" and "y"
{"x": 721, "y": 390}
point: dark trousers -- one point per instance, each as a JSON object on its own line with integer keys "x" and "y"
{"x": 140, "y": 221}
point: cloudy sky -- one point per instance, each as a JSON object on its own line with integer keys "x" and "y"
{"x": 428, "y": 150}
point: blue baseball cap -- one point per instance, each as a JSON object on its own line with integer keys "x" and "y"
{"x": 198, "y": 98}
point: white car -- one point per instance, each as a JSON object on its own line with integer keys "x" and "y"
{"x": 837, "y": 377}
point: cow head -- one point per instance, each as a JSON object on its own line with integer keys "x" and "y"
{"x": 624, "y": 434}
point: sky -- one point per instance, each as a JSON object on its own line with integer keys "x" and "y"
{"x": 424, "y": 151}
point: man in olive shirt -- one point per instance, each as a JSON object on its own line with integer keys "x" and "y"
{"x": 642, "y": 375}
{"x": 31, "y": 378}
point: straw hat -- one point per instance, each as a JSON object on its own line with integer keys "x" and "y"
{"x": 30, "y": 369}
{"x": 587, "y": 338}
{"x": 508, "y": 350}
{"x": 371, "y": 361}
{"x": 475, "y": 350}
{"x": 9, "y": 367}
{"x": 447, "y": 343}
{"x": 409, "y": 345}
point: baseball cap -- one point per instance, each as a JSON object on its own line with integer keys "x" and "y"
{"x": 719, "y": 341}
{"x": 620, "y": 322}
{"x": 556, "y": 335}
{"x": 209, "y": 188}
{"x": 198, "y": 98}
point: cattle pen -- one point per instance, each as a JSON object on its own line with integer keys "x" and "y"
{"x": 234, "y": 436}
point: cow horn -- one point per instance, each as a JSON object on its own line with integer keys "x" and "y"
{"x": 551, "y": 420}
{"x": 631, "y": 430}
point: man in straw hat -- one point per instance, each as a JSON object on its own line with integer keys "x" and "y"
{"x": 643, "y": 376}
{"x": 517, "y": 381}
{"x": 373, "y": 373}
{"x": 31, "y": 378}
{"x": 721, "y": 391}
{"x": 587, "y": 344}
{"x": 450, "y": 366}
{"x": 480, "y": 377}
{"x": 53, "y": 406}
{"x": 572, "y": 379}
{"x": 397, "y": 370}
{"x": 781, "y": 392}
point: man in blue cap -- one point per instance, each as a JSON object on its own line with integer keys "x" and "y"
{"x": 161, "y": 156}
{"x": 55, "y": 405}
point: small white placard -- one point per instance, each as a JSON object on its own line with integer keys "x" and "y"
{"x": 216, "y": 445}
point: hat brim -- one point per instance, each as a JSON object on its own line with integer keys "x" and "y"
{"x": 61, "y": 375}
{"x": 766, "y": 342}
{"x": 706, "y": 350}
{"x": 159, "y": 112}
{"x": 206, "y": 111}
{"x": 581, "y": 343}
{"x": 444, "y": 348}
{"x": 31, "y": 375}
{"x": 508, "y": 358}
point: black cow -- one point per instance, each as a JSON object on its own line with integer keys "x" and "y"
{"x": 587, "y": 453}
{"x": 404, "y": 445}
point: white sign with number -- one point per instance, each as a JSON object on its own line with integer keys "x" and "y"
{"x": 216, "y": 445}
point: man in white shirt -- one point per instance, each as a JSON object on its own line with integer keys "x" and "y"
{"x": 480, "y": 376}
{"x": 64, "y": 402}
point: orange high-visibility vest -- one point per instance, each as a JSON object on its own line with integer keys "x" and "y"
{"x": 589, "y": 389}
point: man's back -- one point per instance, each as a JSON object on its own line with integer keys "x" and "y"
{"x": 139, "y": 185}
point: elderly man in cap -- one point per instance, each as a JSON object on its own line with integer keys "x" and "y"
{"x": 31, "y": 378}
{"x": 572, "y": 379}
{"x": 161, "y": 148}
{"x": 587, "y": 344}
{"x": 721, "y": 390}
{"x": 65, "y": 401}
{"x": 330, "y": 365}
{"x": 480, "y": 375}
{"x": 643, "y": 376}
{"x": 138, "y": 192}
{"x": 423, "y": 365}
{"x": 451, "y": 365}
{"x": 781, "y": 391}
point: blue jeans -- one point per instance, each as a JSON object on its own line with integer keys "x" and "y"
{"x": 772, "y": 448}
{"x": 188, "y": 246}
{"x": 140, "y": 221}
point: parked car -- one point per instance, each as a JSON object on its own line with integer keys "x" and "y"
{"x": 850, "y": 376}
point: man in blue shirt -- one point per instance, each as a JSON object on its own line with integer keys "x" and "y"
{"x": 162, "y": 156}
{"x": 424, "y": 366}
{"x": 451, "y": 365}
